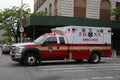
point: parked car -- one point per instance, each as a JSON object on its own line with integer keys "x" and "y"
{"x": 6, "y": 48}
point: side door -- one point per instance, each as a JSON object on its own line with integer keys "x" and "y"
{"x": 49, "y": 48}
{"x": 62, "y": 48}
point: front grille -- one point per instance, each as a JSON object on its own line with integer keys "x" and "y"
{"x": 14, "y": 50}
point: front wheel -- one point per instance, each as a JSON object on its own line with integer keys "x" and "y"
{"x": 30, "y": 59}
{"x": 95, "y": 58}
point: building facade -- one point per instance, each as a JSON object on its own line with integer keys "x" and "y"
{"x": 95, "y": 9}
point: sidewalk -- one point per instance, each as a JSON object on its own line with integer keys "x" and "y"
{"x": 118, "y": 56}
{"x": 112, "y": 57}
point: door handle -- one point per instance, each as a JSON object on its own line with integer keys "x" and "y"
{"x": 57, "y": 47}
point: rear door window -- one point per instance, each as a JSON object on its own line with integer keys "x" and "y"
{"x": 62, "y": 40}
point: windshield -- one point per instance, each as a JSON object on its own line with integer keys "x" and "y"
{"x": 40, "y": 39}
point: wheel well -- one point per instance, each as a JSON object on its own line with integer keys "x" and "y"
{"x": 96, "y": 52}
{"x": 93, "y": 57}
{"x": 33, "y": 51}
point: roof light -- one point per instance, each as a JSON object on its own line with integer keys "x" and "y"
{"x": 52, "y": 33}
{"x": 109, "y": 31}
{"x": 73, "y": 29}
{"x": 68, "y": 29}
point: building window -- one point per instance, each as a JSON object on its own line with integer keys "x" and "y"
{"x": 105, "y": 9}
{"x": 45, "y": 10}
{"x": 80, "y": 8}
{"x": 55, "y": 8}
{"x": 50, "y": 10}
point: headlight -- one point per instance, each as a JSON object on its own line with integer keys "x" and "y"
{"x": 13, "y": 47}
{"x": 21, "y": 49}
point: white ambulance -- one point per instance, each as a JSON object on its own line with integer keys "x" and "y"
{"x": 68, "y": 43}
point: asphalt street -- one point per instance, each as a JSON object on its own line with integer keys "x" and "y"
{"x": 107, "y": 69}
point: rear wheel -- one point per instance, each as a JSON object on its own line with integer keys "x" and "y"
{"x": 30, "y": 59}
{"x": 95, "y": 58}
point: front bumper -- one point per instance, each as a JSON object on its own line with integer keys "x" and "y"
{"x": 16, "y": 56}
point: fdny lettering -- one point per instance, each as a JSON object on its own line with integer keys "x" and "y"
{"x": 82, "y": 34}
{"x": 50, "y": 48}
{"x": 91, "y": 35}
{"x": 97, "y": 34}
{"x": 89, "y": 39}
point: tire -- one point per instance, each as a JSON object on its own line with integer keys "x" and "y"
{"x": 95, "y": 58}
{"x": 30, "y": 59}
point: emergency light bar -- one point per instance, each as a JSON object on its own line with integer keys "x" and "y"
{"x": 58, "y": 31}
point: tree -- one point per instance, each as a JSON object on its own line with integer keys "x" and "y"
{"x": 9, "y": 19}
{"x": 40, "y": 13}
{"x": 116, "y": 12}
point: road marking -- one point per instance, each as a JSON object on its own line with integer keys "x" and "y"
{"x": 64, "y": 68}
{"x": 102, "y": 78}
{"x": 81, "y": 68}
{"x": 77, "y": 67}
{"x": 85, "y": 66}
{"x": 92, "y": 78}
{"x": 74, "y": 79}
{"x": 76, "y": 70}
{"x": 67, "y": 69}
{"x": 73, "y": 70}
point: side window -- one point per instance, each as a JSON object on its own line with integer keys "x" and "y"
{"x": 50, "y": 40}
{"x": 62, "y": 40}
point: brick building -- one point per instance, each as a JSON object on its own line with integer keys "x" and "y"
{"x": 95, "y": 9}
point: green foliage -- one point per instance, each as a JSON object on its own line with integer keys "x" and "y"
{"x": 40, "y": 13}
{"x": 9, "y": 19}
{"x": 116, "y": 11}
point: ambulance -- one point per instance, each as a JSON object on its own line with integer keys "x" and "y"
{"x": 66, "y": 43}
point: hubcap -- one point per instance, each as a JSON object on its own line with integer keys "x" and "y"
{"x": 31, "y": 59}
{"x": 95, "y": 58}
